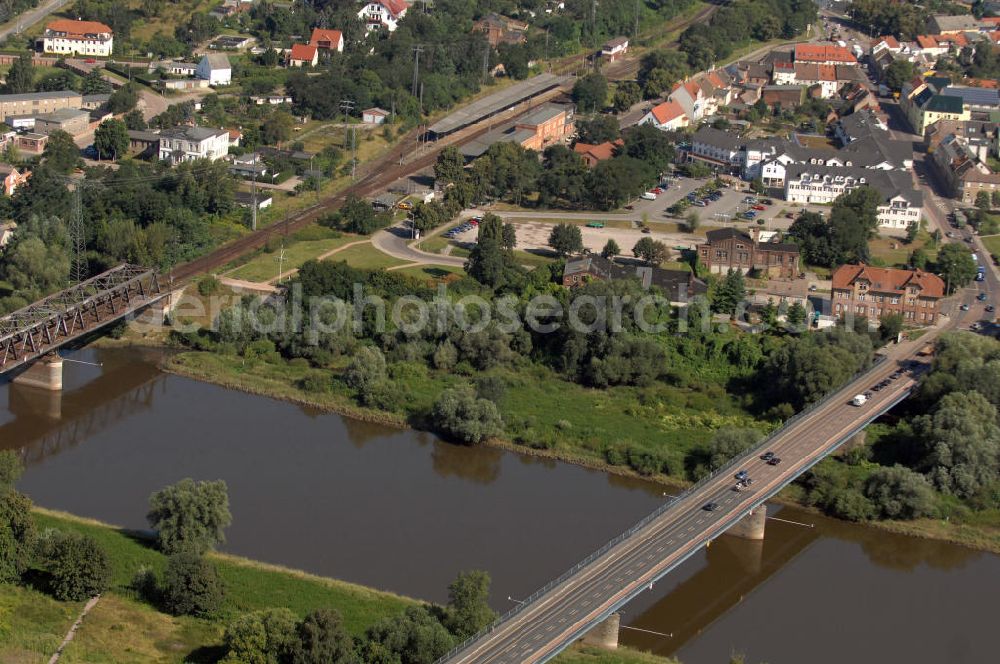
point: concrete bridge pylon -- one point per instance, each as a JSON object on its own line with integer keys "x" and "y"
{"x": 45, "y": 373}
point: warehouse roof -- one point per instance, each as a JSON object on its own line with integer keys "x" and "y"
{"x": 496, "y": 102}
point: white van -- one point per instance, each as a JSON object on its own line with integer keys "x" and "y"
{"x": 859, "y": 400}
{"x": 648, "y": 195}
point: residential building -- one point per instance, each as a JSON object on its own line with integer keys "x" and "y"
{"x": 614, "y": 49}
{"x": 248, "y": 199}
{"x": 727, "y": 249}
{"x": 780, "y": 293}
{"x": 501, "y": 29}
{"x": 783, "y": 96}
{"x": 7, "y": 229}
{"x": 174, "y": 67}
{"x": 215, "y": 69}
{"x": 11, "y": 178}
{"x": 716, "y": 148}
{"x": 374, "y": 115}
{"x": 975, "y": 98}
{"x": 231, "y": 42}
{"x": 181, "y": 144}
{"x": 924, "y": 105}
{"x": 592, "y": 154}
{"x": 964, "y": 172}
{"x": 886, "y": 43}
{"x": 876, "y": 292}
{"x": 379, "y": 14}
{"x": 31, "y": 142}
{"x": 70, "y": 120}
{"x": 823, "y": 54}
{"x": 900, "y": 206}
{"x": 143, "y": 144}
{"x": 94, "y": 102}
{"x": 271, "y": 100}
{"x": 327, "y": 40}
{"x": 858, "y": 126}
{"x": 668, "y": 116}
{"x": 68, "y": 37}
{"x": 679, "y": 285}
{"x": 249, "y": 166}
{"x": 303, "y": 55}
{"x": 37, "y": 103}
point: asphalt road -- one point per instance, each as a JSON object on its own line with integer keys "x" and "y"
{"x": 30, "y": 17}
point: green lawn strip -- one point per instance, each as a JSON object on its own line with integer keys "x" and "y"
{"x": 434, "y": 244}
{"x": 32, "y": 624}
{"x": 264, "y": 267}
{"x": 590, "y": 655}
{"x": 366, "y": 256}
{"x": 433, "y": 273}
{"x": 992, "y": 243}
{"x": 598, "y": 218}
{"x": 531, "y": 259}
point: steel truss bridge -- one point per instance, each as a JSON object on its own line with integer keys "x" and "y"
{"x": 44, "y": 326}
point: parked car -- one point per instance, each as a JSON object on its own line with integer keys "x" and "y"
{"x": 648, "y": 195}
{"x": 405, "y": 205}
{"x": 595, "y": 224}
{"x": 700, "y": 203}
{"x": 981, "y": 297}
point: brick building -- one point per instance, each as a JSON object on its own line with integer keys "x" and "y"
{"x": 731, "y": 249}
{"x": 874, "y": 292}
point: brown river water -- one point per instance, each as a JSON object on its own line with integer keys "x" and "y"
{"x": 403, "y": 511}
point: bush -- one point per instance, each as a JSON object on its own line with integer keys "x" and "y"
{"x": 209, "y": 285}
{"x": 261, "y": 637}
{"x": 315, "y": 382}
{"x": 900, "y": 493}
{"x": 464, "y": 417}
{"x": 78, "y": 567}
{"x": 491, "y": 388}
{"x": 190, "y": 516}
{"x": 366, "y": 369}
{"x": 191, "y": 586}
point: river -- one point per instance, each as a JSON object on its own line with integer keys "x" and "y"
{"x": 402, "y": 511}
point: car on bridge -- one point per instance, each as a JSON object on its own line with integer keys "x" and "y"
{"x": 742, "y": 475}
{"x": 710, "y": 507}
{"x": 774, "y": 461}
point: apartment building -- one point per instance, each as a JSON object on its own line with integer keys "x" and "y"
{"x": 68, "y": 37}
{"x": 875, "y": 292}
{"x": 732, "y": 249}
{"x": 38, "y": 103}
{"x": 181, "y": 144}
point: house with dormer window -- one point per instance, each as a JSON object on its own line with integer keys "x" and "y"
{"x": 378, "y": 14}
{"x": 875, "y": 292}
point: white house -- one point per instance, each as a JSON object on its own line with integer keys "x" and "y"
{"x": 383, "y": 14}
{"x": 215, "y": 69}
{"x": 716, "y": 147}
{"x": 374, "y": 116}
{"x": 668, "y": 116}
{"x": 70, "y": 37}
{"x": 189, "y": 143}
{"x": 901, "y": 204}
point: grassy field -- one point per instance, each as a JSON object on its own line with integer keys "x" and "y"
{"x": 120, "y": 629}
{"x": 532, "y": 259}
{"x": 433, "y": 273}
{"x": 367, "y": 257}
{"x": 434, "y": 244}
{"x": 264, "y": 267}
{"x": 893, "y": 251}
{"x": 992, "y": 243}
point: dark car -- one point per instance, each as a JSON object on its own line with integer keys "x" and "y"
{"x": 710, "y": 507}
{"x": 989, "y": 308}
{"x": 742, "y": 475}
{"x": 773, "y": 461}
{"x": 767, "y": 456}
{"x": 981, "y": 297}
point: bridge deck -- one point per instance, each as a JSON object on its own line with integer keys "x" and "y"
{"x": 566, "y": 609}
{"x": 39, "y": 328}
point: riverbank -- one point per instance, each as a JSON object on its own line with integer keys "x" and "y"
{"x": 121, "y": 628}
{"x": 280, "y": 381}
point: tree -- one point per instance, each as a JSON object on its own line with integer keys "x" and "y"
{"x": 590, "y": 92}
{"x": 627, "y": 95}
{"x": 509, "y": 237}
{"x": 94, "y": 83}
{"x": 111, "y": 139}
{"x": 730, "y": 442}
{"x": 692, "y": 221}
{"x": 460, "y": 415}
{"x": 260, "y": 637}
{"x": 611, "y": 249}
{"x": 729, "y": 293}
{"x": 191, "y": 586}
{"x": 18, "y": 533}
{"x": 566, "y": 239}
{"x": 597, "y": 129}
{"x": 660, "y": 70}
{"x": 190, "y": 516}
{"x": 322, "y": 639}
{"x": 796, "y": 315}
{"x": 78, "y": 567}
{"x": 890, "y": 325}
{"x": 653, "y": 252}
{"x": 366, "y": 370}
{"x": 810, "y": 366}
{"x": 277, "y": 128}
{"x": 995, "y": 198}
{"x": 912, "y": 230}
{"x": 899, "y": 73}
{"x": 123, "y": 99}
{"x": 955, "y": 265}
{"x": 919, "y": 259}
{"x": 415, "y": 637}
{"x": 468, "y": 609}
{"x": 20, "y": 76}
{"x": 61, "y": 153}
{"x": 450, "y": 166}
{"x": 899, "y": 493}
{"x": 983, "y": 201}
{"x": 134, "y": 120}
{"x": 650, "y": 146}
{"x": 961, "y": 443}
{"x": 357, "y": 216}
{"x": 491, "y": 259}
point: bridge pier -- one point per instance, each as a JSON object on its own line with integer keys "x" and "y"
{"x": 751, "y": 526}
{"x": 45, "y": 373}
{"x": 605, "y": 634}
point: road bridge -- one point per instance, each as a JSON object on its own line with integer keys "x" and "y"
{"x": 39, "y": 329}
{"x": 589, "y": 593}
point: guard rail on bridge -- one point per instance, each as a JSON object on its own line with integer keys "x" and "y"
{"x": 39, "y": 328}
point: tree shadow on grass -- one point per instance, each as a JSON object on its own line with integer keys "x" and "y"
{"x": 206, "y": 654}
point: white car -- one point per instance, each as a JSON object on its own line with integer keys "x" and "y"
{"x": 859, "y": 400}
{"x": 648, "y": 195}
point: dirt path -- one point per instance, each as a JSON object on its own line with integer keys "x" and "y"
{"x": 72, "y": 630}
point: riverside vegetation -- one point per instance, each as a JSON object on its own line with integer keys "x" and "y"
{"x": 669, "y": 404}
{"x": 171, "y": 598}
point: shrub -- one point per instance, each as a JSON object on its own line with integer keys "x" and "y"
{"x": 315, "y": 382}
{"x": 190, "y": 516}
{"x": 78, "y": 567}
{"x": 209, "y": 285}
{"x": 461, "y": 415}
{"x": 191, "y": 586}
{"x": 366, "y": 369}
{"x": 491, "y": 388}
{"x": 261, "y": 637}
